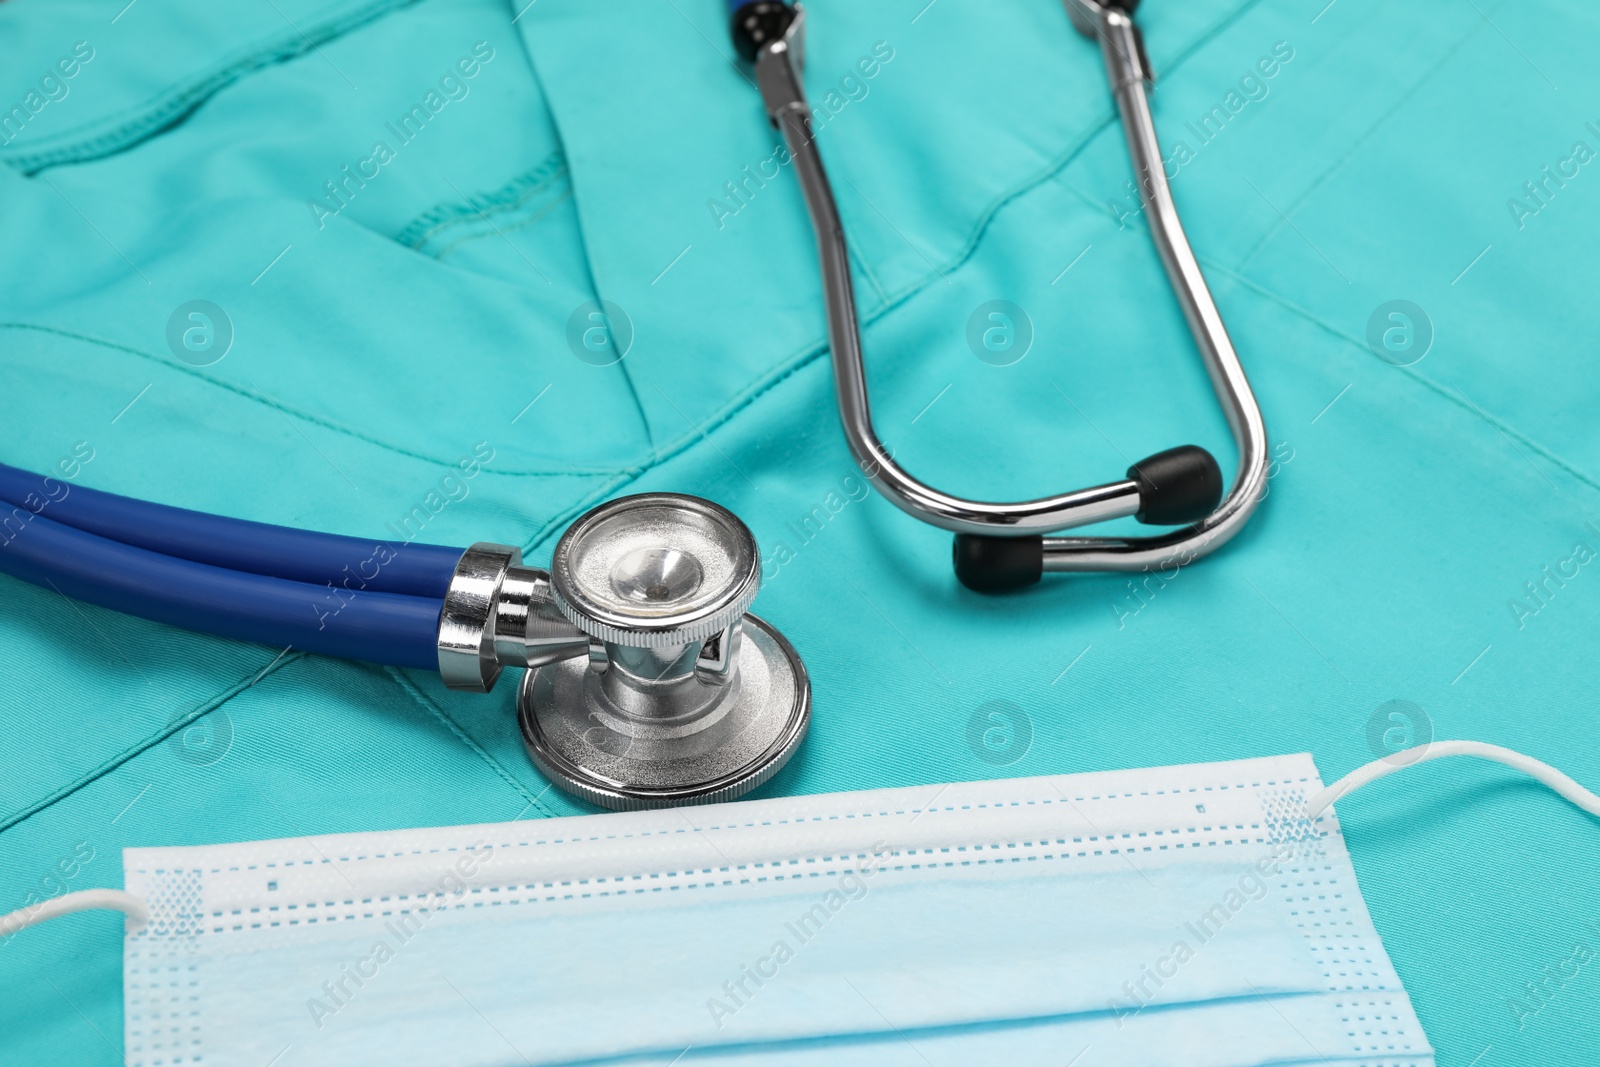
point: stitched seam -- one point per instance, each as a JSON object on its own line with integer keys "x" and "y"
{"x": 205, "y": 708}
{"x": 513, "y": 194}
{"x": 535, "y": 892}
{"x": 153, "y": 118}
{"x": 865, "y": 270}
{"x": 439, "y": 713}
{"x": 544, "y": 212}
{"x": 1422, "y": 379}
{"x": 315, "y": 420}
{"x": 638, "y": 403}
{"x": 218, "y": 700}
{"x": 851, "y": 813}
{"x": 593, "y": 289}
{"x": 1278, "y": 224}
{"x": 651, "y": 451}
{"x": 1259, "y": 289}
{"x": 1232, "y": 830}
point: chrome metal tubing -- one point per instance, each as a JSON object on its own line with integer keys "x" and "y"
{"x": 778, "y": 75}
{"x": 466, "y": 621}
{"x": 1128, "y": 71}
{"x": 498, "y": 613}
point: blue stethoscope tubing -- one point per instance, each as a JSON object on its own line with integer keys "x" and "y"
{"x": 234, "y": 544}
{"x": 251, "y": 581}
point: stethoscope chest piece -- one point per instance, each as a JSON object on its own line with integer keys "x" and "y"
{"x": 684, "y": 696}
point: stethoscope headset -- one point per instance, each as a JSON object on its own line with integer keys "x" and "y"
{"x": 999, "y": 547}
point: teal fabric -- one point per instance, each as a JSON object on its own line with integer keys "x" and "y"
{"x": 377, "y": 347}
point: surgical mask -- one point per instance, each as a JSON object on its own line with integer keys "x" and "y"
{"x": 1188, "y": 914}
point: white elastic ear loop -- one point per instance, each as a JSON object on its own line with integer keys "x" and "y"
{"x": 84, "y": 900}
{"x": 1410, "y": 757}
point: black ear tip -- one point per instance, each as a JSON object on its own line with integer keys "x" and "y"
{"x": 998, "y": 564}
{"x": 1178, "y": 486}
{"x": 756, "y": 23}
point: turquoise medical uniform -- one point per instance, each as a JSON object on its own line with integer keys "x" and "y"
{"x": 405, "y": 211}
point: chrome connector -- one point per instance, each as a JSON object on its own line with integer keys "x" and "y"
{"x": 467, "y": 658}
{"x": 779, "y": 67}
{"x": 529, "y": 629}
{"x": 498, "y": 613}
{"x": 1111, "y": 23}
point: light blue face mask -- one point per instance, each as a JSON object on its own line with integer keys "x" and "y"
{"x": 1190, "y": 914}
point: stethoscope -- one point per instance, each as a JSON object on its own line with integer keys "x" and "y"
{"x": 647, "y": 680}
